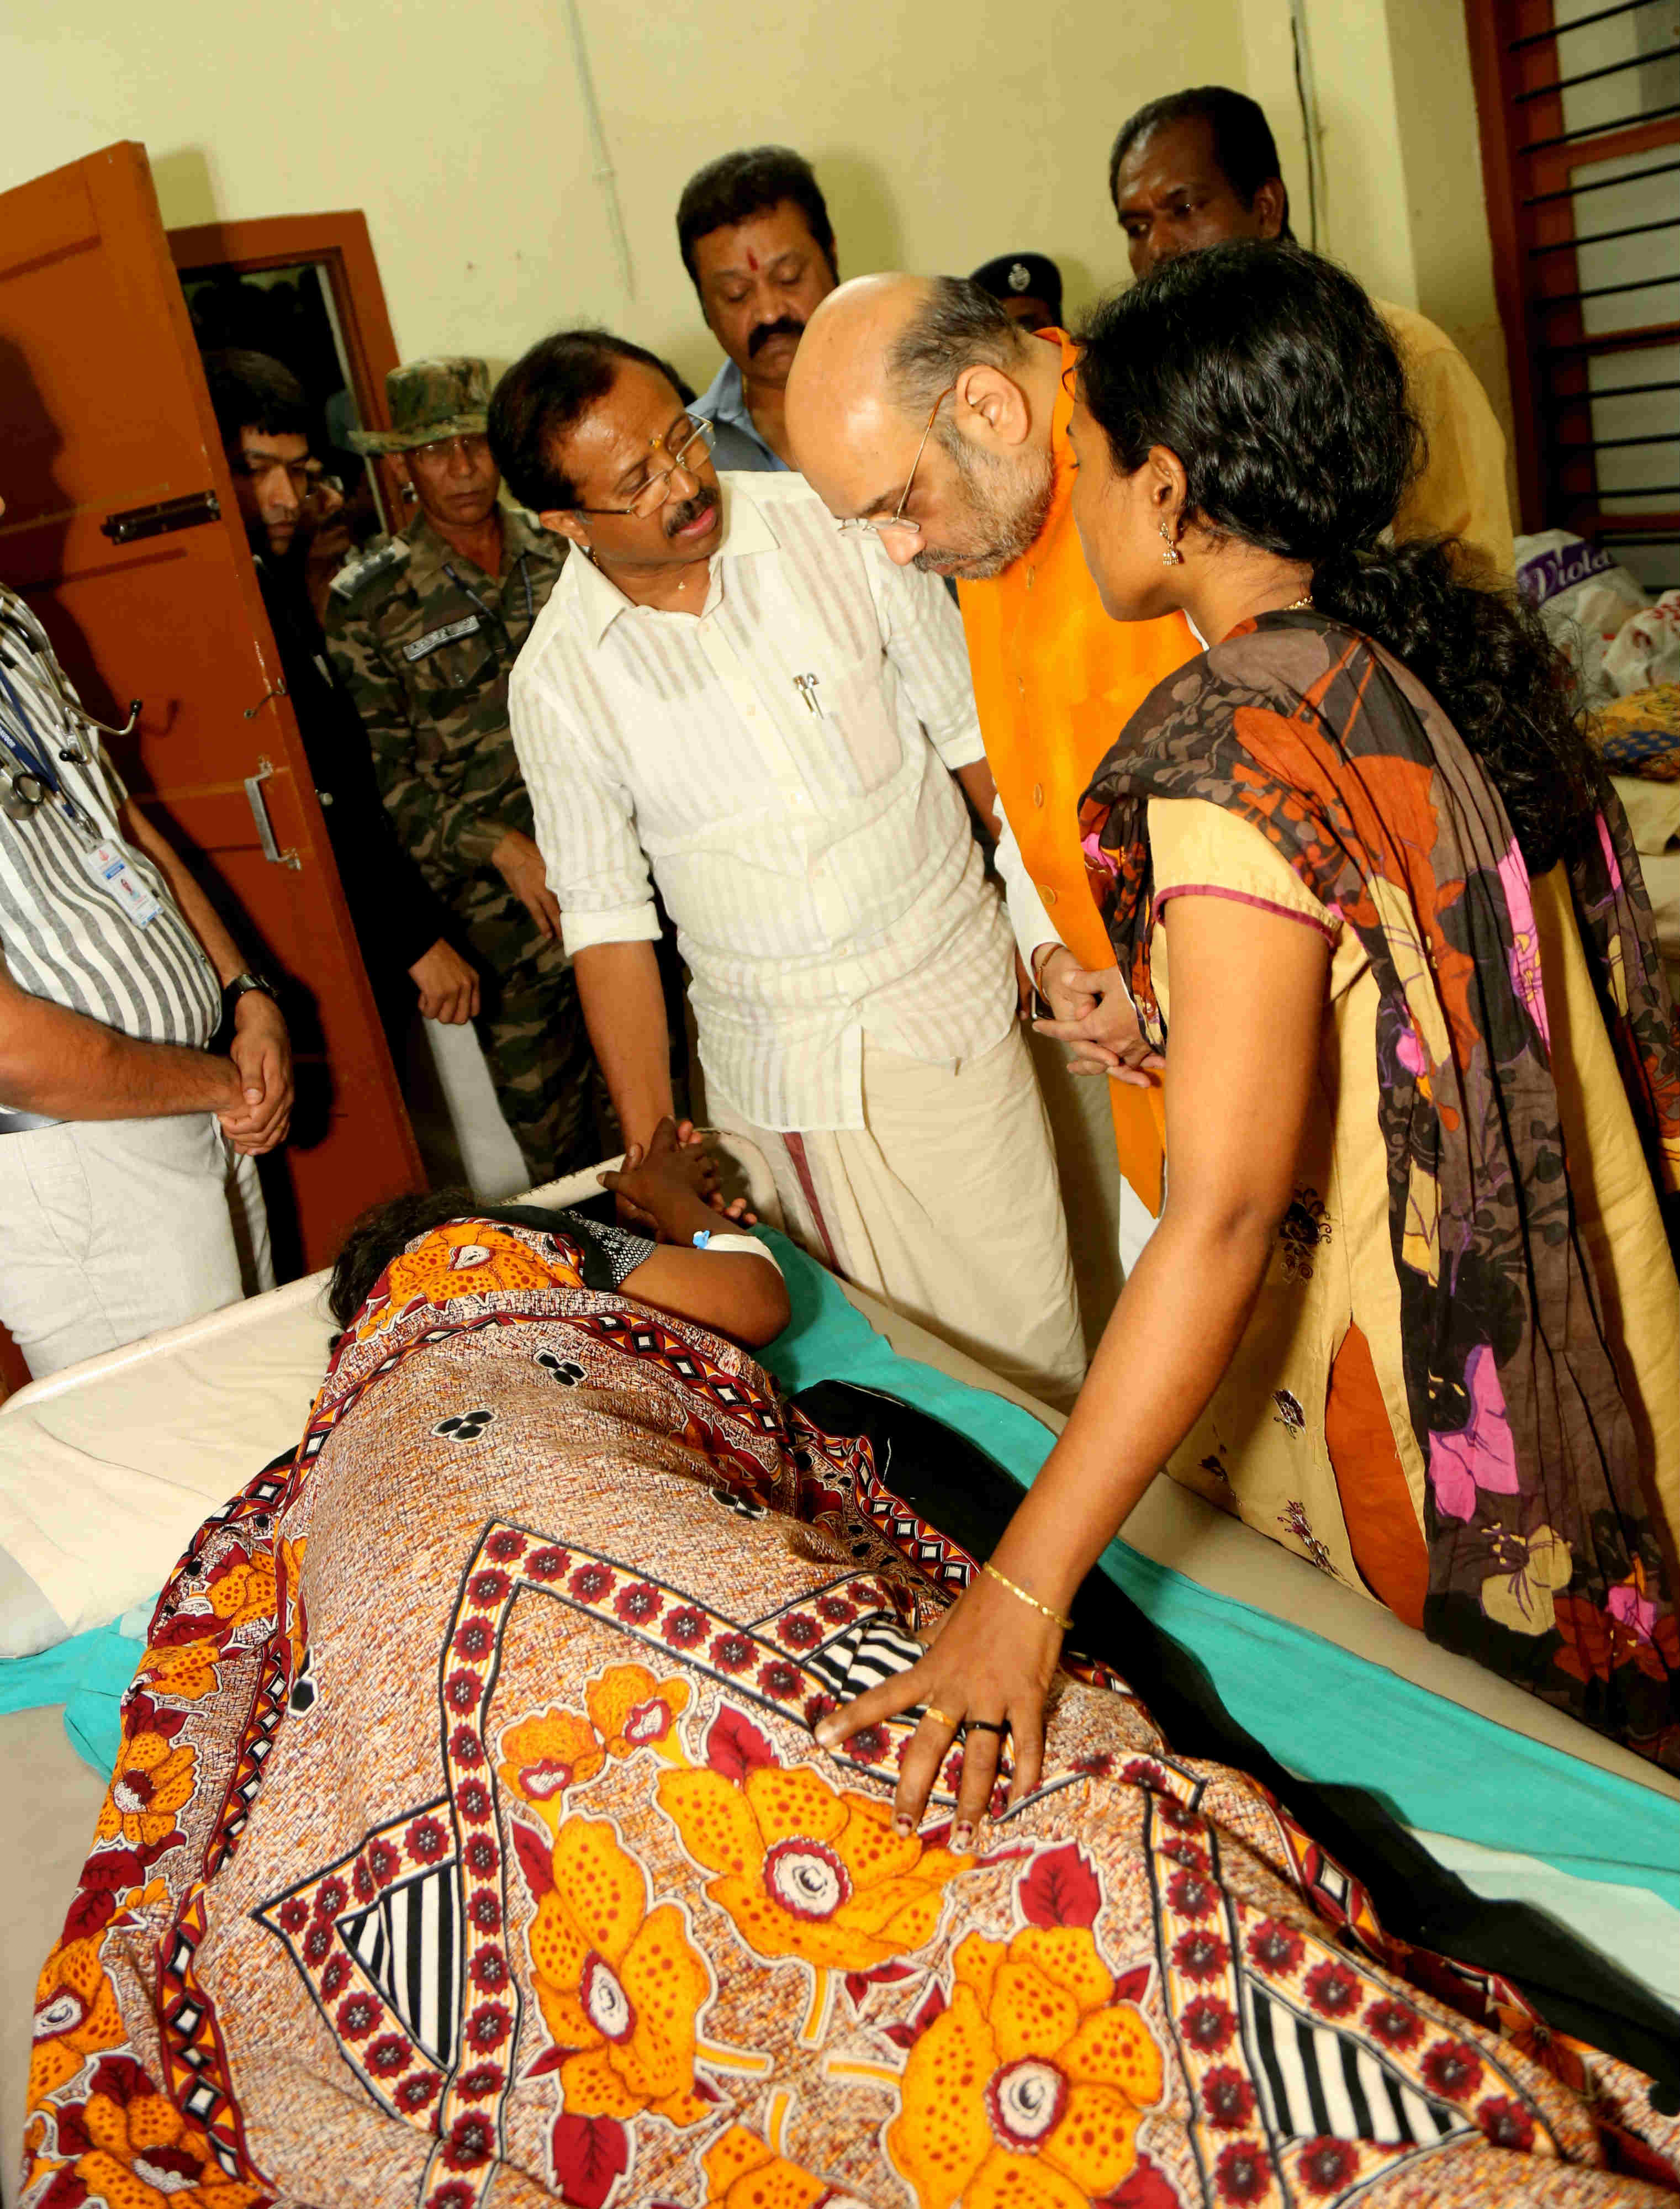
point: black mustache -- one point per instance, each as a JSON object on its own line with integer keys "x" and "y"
{"x": 785, "y": 327}
{"x": 679, "y": 517}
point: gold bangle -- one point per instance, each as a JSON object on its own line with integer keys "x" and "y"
{"x": 1004, "y": 1581}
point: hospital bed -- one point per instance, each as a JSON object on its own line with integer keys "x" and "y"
{"x": 150, "y": 1439}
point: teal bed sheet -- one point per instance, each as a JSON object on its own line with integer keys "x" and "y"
{"x": 1331, "y": 1716}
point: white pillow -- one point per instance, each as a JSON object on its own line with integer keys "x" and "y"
{"x": 108, "y": 1468}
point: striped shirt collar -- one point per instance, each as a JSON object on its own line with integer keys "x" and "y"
{"x": 598, "y": 599}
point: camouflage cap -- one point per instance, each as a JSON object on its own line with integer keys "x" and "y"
{"x": 428, "y": 400}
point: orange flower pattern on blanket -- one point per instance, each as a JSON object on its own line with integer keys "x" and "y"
{"x": 807, "y": 1872}
{"x": 620, "y": 1986}
{"x": 243, "y": 1593}
{"x": 629, "y": 1710}
{"x": 468, "y": 1258}
{"x": 744, "y": 2172}
{"x": 1029, "y": 2088}
{"x": 76, "y": 2016}
{"x": 141, "y": 2153}
{"x": 182, "y": 1671}
{"x": 152, "y": 1780}
{"x": 632, "y": 1709}
{"x": 543, "y": 1757}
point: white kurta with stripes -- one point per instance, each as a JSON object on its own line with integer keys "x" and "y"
{"x": 782, "y": 760}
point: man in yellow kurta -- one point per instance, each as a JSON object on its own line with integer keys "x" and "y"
{"x": 984, "y": 496}
{"x": 1198, "y": 167}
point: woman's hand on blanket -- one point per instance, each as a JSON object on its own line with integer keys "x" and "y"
{"x": 989, "y": 1670}
{"x": 1096, "y": 1019}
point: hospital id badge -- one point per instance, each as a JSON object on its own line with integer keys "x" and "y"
{"x": 108, "y": 865}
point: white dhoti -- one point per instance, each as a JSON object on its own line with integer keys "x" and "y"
{"x": 946, "y": 1205}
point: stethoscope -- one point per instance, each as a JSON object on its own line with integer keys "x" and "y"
{"x": 28, "y": 777}
{"x": 72, "y": 708}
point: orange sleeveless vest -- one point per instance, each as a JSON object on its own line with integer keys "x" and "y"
{"x": 1056, "y": 681}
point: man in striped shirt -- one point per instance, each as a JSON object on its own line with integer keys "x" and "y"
{"x": 773, "y": 717}
{"x": 128, "y": 1197}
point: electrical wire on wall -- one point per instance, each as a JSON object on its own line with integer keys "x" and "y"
{"x": 602, "y": 170}
{"x": 1309, "y": 104}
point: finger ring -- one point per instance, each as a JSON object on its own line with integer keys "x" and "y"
{"x": 939, "y": 1715}
{"x": 988, "y": 1725}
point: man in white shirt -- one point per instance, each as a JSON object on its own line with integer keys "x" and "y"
{"x": 128, "y": 1197}
{"x": 770, "y": 714}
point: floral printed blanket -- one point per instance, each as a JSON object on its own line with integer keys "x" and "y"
{"x": 468, "y": 1844}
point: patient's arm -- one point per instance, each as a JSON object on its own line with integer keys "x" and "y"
{"x": 731, "y": 1291}
{"x": 670, "y": 1186}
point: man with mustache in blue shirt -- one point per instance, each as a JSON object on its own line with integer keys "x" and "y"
{"x": 757, "y": 240}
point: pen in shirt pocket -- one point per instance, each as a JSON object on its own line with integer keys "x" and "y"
{"x": 806, "y": 687}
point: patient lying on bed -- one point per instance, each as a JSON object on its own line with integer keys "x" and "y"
{"x": 468, "y": 1839}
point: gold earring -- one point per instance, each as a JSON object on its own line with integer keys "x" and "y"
{"x": 1172, "y": 557}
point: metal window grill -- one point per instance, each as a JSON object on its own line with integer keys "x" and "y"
{"x": 1579, "y": 110}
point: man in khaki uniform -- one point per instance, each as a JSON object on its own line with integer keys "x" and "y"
{"x": 1201, "y": 166}
{"x": 423, "y": 630}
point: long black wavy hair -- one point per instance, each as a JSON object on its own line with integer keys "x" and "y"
{"x": 1272, "y": 376}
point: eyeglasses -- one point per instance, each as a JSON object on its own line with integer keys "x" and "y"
{"x": 473, "y": 446}
{"x": 688, "y": 442}
{"x": 898, "y": 519}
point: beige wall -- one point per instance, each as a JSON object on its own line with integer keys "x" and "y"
{"x": 1402, "y": 203}
{"x": 942, "y": 130}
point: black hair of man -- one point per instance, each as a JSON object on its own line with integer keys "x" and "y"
{"x": 752, "y": 180}
{"x": 1244, "y": 145}
{"x": 545, "y": 394}
{"x": 957, "y": 324}
{"x": 254, "y": 391}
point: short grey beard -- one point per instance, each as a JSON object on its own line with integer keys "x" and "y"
{"x": 1008, "y": 520}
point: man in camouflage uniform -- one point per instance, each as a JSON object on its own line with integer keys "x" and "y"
{"x": 423, "y": 630}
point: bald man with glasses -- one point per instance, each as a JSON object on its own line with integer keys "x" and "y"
{"x": 730, "y": 698}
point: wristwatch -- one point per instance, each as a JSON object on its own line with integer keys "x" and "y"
{"x": 242, "y": 986}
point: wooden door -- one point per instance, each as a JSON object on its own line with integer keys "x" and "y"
{"x": 104, "y": 417}
{"x": 339, "y": 244}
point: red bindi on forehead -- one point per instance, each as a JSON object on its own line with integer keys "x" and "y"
{"x": 752, "y": 260}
